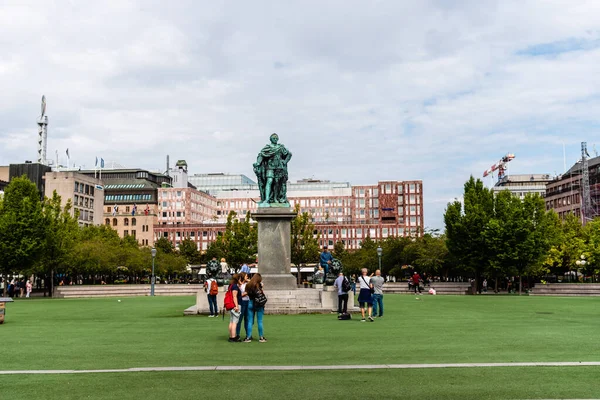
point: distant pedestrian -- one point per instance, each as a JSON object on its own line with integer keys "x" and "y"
{"x": 484, "y": 284}
{"x": 224, "y": 267}
{"x": 365, "y": 296}
{"x": 353, "y": 282}
{"x": 377, "y": 282}
{"x": 11, "y": 288}
{"x": 28, "y": 287}
{"x": 254, "y": 288}
{"x": 416, "y": 282}
{"x": 244, "y": 305}
{"x": 342, "y": 294}
{"x": 234, "y": 313}
{"x": 22, "y": 287}
{"x": 245, "y": 268}
{"x": 212, "y": 290}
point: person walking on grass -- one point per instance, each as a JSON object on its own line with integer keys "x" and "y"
{"x": 254, "y": 289}
{"x": 416, "y": 282}
{"x": 244, "y": 305}
{"x": 377, "y": 282}
{"x": 234, "y": 313}
{"x": 212, "y": 290}
{"x": 342, "y": 295}
{"x": 365, "y": 297}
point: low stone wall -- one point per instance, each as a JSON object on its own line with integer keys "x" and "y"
{"x": 298, "y": 301}
{"x": 441, "y": 288}
{"x": 82, "y": 291}
{"x": 566, "y": 289}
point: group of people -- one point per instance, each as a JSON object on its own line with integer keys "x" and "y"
{"x": 370, "y": 296}
{"x": 17, "y": 288}
{"x": 246, "y": 310}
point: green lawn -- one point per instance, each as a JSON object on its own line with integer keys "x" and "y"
{"x": 145, "y": 332}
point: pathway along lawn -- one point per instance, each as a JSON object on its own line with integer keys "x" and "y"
{"x": 424, "y": 384}
{"x": 147, "y": 332}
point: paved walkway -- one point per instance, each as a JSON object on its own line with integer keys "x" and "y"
{"x": 305, "y": 367}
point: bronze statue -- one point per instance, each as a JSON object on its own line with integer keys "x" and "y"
{"x": 272, "y": 174}
{"x": 213, "y": 268}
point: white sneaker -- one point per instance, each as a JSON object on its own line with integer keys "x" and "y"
{"x": 211, "y": 316}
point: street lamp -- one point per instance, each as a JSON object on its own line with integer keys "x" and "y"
{"x": 379, "y": 253}
{"x": 152, "y": 279}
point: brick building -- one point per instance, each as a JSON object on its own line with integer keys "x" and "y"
{"x": 131, "y": 201}
{"x": 340, "y": 211}
{"x": 563, "y": 194}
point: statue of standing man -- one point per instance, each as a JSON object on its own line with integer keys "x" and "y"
{"x": 272, "y": 174}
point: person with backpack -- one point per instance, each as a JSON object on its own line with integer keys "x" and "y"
{"x": 233, "y": 298}
{"x": 256, "y": 307}
{"x": 212, "y": 289}
{"x": 343, "y": 286}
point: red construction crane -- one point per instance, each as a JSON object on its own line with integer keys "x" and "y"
{"x": 500, "y": 166}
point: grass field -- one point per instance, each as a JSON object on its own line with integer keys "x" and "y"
{"x": 147, "y": 332}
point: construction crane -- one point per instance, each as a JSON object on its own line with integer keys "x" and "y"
{"x": 500, "y": 166}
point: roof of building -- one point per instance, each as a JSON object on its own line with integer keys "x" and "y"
{"x": 576, "y": 168}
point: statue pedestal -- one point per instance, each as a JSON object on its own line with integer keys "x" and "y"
{"x": 274, "y": 248}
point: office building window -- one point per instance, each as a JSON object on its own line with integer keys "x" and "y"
{"x": 125, "y": 233}
{"x": 114, "y": 222}
{"x": 126, "y": 222}
{"x": 133, "y": 222}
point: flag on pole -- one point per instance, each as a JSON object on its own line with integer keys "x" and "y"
{"x": 147, "y": 210}
{"x": 96, "y": 161}
{"x": 68, "y": 154}
{"x": 115, "y": 210}
{"x": 134, "y": 210}
{"x": 102, "y": 163}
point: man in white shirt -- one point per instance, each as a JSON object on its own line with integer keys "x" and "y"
{"x": 365, "y": 297}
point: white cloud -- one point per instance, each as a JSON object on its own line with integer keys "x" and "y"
{"x": 359, "y": 91}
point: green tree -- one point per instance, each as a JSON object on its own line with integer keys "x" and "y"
{"x": 304, "y": 242}
{"x": 466, "y": 224}
{"x": 60, "y": 237}
{"x": 568, "y": 246}
{"x": 163, "y": 244}
{"x": 21, "y": 227}
{"x": 238, "y": 244}
{"x": 189, "y": 250}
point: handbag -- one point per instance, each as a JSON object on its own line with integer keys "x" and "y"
{"x": 372, "y": 290}
{"x": 260, "y": 299}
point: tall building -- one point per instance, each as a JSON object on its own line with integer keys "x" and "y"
{"x": 520, "y": 185}
{"x": 85, "y": 193}
{"x": 564, "y": 192}
{"x": 131, "y": 201}
{"x": 33, "y": 171}
{"x": 340, "y": 211}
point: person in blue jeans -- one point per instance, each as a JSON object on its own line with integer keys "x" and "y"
{"x": 377, "y": 282}
{"x": 244, "y": 305}
{"x": 212, "y": 299}
{"x": 254, "y": 287}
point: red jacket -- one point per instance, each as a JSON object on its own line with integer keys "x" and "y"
{"x": 416, "y": 279}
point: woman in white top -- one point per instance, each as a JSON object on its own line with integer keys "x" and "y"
{"x": 244, "y": 279}
{"x": 365, "y": 296}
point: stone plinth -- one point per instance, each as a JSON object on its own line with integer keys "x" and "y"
{"x": 274, "y": 248}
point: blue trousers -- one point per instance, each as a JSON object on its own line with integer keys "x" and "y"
{"x": 378, "y": 304}
{"x": 243, "y": 318}
{"x": 259, "y": 312}
{"x": 212, "y": 303}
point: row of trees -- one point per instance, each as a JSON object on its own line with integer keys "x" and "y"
{"x": 503, "y": 235}
{"x": 44, "y": 238}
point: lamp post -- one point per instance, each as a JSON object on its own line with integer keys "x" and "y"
{"x": 152, "y": 279}
{"x": 379, "y": 253}
{"x": 580, "y": 263}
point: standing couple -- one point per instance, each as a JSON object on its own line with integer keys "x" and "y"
{"x": 249, "y": 300}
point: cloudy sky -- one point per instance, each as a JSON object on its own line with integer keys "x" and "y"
{"x": 359, "y": 91}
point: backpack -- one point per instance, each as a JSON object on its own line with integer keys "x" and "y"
{"x": 344, "y": 317}
{"x": 214, "y": 288}
{"x": 346, "y": 286}
{"x": 229, "y": 304}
